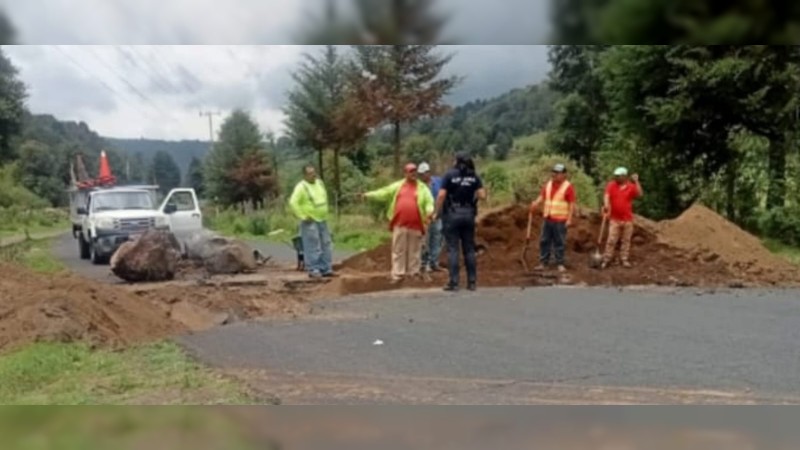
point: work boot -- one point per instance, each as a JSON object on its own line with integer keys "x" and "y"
{"x": 626, "y": 264}
{"x": 436, "y": 268}
{"x": 451, "y": 288}
{"x": 540, "y": 268}
{"x": 561, "y": 268}
{"x": 472, "y": 286}
{"x": 315, "y": 275}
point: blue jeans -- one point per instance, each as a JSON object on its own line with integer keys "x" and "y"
{"x": 554, "y": 238}
{"x": 317, "y": 247}
{"x": 433, "y": 247}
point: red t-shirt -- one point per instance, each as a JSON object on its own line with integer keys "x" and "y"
{"x": 406, "y": 211}
{"x": 621, "y": 197}
{"x": 569, "y": 196}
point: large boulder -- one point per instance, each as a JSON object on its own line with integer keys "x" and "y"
{"x": 152, "y": 257}
{"x": 220, "y": 255}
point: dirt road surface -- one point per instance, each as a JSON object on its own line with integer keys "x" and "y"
{"x": 514, "y": 346}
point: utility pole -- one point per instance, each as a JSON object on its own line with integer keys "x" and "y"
{"x": 210, "y": 116}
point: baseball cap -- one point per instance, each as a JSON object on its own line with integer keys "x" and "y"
{"x": 423, "y": 168}
{"x": 410, "y": 167}
{"x": 559, "y": 168}
{"x": 620, "y": 172}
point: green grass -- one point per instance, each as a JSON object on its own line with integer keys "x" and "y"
{"x": 16, "y": 222}
{"x": 129, "y": 428}
{"x": 792, "y": 254}
{"x": 73, "y": 374}
{"x": 33, "y": 254}
{"x": 351, "y": 231}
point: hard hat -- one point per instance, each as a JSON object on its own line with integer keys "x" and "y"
{"x": 559, "y": 168}
{"x": 423, "y": 168}
{"x": 620, "y": 172}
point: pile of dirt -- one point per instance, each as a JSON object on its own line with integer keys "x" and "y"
{"x": 707, "y": 236}
{"x": 65, "y": 308}
{"x": 68, "y": 308}
{"x": 662, "y": 254}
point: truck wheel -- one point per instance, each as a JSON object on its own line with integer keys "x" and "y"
{"x": 96, "y": 258}
{"x": 83, "y": 247}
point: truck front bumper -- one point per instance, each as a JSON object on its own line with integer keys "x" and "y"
{"x": 107, "y": 242}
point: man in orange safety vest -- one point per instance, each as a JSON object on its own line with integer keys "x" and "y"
{"x": 558, "y": 197}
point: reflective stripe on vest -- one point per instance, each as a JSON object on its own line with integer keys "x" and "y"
{"x": 316, "y": 203}
{"x": 555, "y": 205}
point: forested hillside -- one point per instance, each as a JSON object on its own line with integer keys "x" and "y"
{"x": 181, "y": 151}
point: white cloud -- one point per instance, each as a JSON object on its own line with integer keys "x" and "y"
{"x": 158, "y": 91}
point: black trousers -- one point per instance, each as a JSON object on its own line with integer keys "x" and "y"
{"x": 459, "y": 230}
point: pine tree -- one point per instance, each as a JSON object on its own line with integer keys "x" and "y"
{"x": 399, "y": 84}
{"x": 194, "y": 176}
{"x": 165, "y": 172}
{"x": 12, "y": 107}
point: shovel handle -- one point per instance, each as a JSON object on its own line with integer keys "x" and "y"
{"x": 528, "y": 232}
{"x": 602, "y": 230}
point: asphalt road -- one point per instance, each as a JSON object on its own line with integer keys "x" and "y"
{"x": 512, "y": 346}
{"x": 65, "y": 248}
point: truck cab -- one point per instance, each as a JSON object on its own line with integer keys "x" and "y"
{"x": 105, "y": 218}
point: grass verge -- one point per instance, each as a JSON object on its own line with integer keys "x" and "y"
{"x": 355, "y": 232}
{"x": 792, "y": 254}
{"x": 33, "y": 254}
{"x": 73, "y": 374}
{"x": 65, "y": 428}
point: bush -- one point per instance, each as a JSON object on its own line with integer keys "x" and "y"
{"x": 527, "y": 184}
{"x": 496, "y": 178}
{"x": 258, "y": 226}
{"x": 782, "y": 224}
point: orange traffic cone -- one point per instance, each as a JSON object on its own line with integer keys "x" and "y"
{"x": 105, "y": 177}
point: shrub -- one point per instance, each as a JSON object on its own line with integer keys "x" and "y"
{"x": 496, "y": 178}
{"x": 782, "y": 224}
{"x": 527, "y": 184}
{"x": 258, "y": 226}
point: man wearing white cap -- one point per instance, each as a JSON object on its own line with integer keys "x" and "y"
{"x": 433, "y": 245}
{"x": 618, "y": 207}
{"x": 558, "y": 199}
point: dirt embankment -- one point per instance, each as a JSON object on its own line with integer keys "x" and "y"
{"x": 68, "y": 308}
{"x": 700, "y": 248}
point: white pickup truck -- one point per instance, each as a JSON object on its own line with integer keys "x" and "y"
{"x": 104, "y": 218}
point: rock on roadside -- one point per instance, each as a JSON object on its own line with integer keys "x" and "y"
{"x": 220, "y": 255}
{"x": 152, "y": 257}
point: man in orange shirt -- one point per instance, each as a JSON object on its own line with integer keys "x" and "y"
{"x": 558, "y": 197}
{"x": 618, "y": 206}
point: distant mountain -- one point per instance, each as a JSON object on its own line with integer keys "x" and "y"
{"x": 181, "y": 151}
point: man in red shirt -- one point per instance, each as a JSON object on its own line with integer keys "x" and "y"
{"x": 410, "y": 207}
{"x": 558, "y": 197}
{"x": 618, "y": 207}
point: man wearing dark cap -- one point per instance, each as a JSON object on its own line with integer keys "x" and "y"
{"x": 410, "y": 209}
{"x": 558, "y": 197}
{"x": 457, "y": 205}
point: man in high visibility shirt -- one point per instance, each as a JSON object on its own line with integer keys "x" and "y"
{"x": 309, "y": 202}
{"x": 410, "y": 210}
{"x": 558, "y": 197}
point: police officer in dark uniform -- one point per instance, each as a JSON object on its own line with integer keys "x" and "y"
{"x": 457, "y": 205}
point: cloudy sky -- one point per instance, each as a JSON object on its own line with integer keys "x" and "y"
{"x": 158, "y": 91}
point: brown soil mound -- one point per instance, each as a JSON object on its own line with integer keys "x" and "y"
{"x": 66, "y": 308}
{"x": 706, "y": 235}
{"x": 658, "y": 260}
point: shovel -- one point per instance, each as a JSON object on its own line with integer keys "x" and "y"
{"x": 596, "y": 259}
{"x": 523, "y": 259}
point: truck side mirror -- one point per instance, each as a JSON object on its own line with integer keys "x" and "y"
{"x": 81, "y": 211}
{"x": 170, "y": 209}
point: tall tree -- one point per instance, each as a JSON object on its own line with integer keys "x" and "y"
{"x": 12, "y": 107}
{"x": 400, "y": 84}
{"x": 675, "y": 21}
{"x": 254, "y": 179}
{"x": 165, "y": 172}
{"x": 38, "y": 167}
{"x": 580, "y": 115}
{"x": 239, "y": 138}
{"x": 194, "y": 176}
{"x": 321, "y": 113}
{"x": 378, "y": 22}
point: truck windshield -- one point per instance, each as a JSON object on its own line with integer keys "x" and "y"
{"x": 115, "y": 201}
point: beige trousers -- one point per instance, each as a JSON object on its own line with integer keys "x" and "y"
{"x": 406, "y": 252}
{"x": 619, "y": 233}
